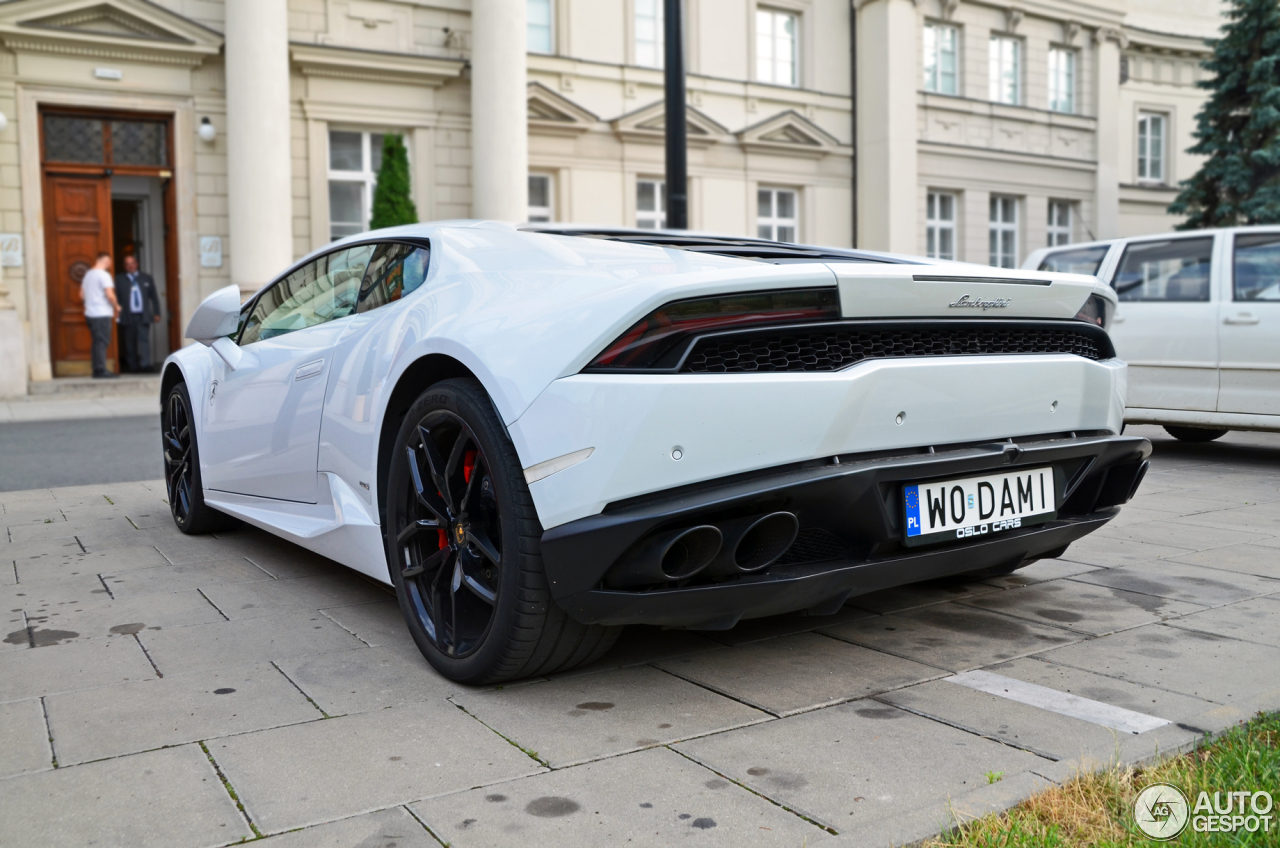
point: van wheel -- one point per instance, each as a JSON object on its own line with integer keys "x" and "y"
{"x": 1194, "y": 434}
{"x": 464, "y": 547}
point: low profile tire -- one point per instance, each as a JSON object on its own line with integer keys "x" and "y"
{"x": 1194, "y": 434}
{"x": 182, "y": 468}
{"x": 464, "y": 547}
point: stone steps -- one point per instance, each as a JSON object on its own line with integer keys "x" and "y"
{"x": 86, "y": 387}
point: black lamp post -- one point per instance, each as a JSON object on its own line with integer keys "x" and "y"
{"x": 677, "y": 132}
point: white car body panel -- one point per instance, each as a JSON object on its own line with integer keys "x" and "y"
{"x": 526, "y": 312}
{"x": 635, "y": 422}
{"x": 263, "y": 423}
{"x": 1212, "y": 363}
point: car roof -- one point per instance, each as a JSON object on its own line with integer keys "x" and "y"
{"x": 1176, "y": 234}
{"x": 740, "y": 247}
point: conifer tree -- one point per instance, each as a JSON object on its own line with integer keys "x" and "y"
{"x": 392, "y": 204}
{"x": 1238, "y": 128}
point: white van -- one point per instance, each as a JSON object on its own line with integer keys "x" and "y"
{"x": 1198, "y": 323}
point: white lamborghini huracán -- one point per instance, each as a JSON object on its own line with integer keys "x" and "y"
{"x": 540, "y": 435}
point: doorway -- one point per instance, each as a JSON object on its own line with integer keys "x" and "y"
{"x": 137, "y": 230}
{"x": 107, "y": 187}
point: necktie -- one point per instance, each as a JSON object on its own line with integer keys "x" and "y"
{"x": 135, "y": 295}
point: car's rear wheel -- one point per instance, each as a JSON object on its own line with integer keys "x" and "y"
{"x": 182, "y": 467}
{"x": 463, "y": 543}
{"x": 1194, "y": 434}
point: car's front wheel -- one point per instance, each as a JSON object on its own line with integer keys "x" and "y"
{"x": 463, "y": 542}
{"x": 1194, "y": 434}
{"x": 182, "y": 467}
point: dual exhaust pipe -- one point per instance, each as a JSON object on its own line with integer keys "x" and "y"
{"x": 738, "y": 546}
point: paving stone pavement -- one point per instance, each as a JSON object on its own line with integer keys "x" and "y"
{"x": 163, "y": 690}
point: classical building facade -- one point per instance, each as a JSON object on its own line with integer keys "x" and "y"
{"x": 217, "y": 140}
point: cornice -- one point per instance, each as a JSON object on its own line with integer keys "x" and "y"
{"x": 167, "y": 53}
{"x": 345, "y": 63}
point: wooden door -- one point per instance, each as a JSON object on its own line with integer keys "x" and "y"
{"x": 77, "y": 229}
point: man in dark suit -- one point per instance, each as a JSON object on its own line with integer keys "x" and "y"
{"x": 139, "y": 309}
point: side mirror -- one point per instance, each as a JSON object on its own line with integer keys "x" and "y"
{"x": 216, "y": 317}
{"x": 214, "y": 320}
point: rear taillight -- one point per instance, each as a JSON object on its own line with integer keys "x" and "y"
{"x": 659, "y": 340}
{"x": 1094, "y": 311}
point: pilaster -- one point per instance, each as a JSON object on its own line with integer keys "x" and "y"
{"x": 888, "y": 76}
{"x": 259, "y": 165}
{"x": 499, "y": 110}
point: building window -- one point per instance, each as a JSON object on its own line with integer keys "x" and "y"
{"x": 1151, "y": 133}
{"x": 1062, "y": 80}
{"x": 540, "y": 208}
{"x": 776, "y": 216}
{"x": 354, "y": 161}
{"x": 777, "y": 47}
{"x": 941, "y": 43}
{"x": 538, "y": 26}
{"x": 1006, "y": 70}
{"x": 649, "y": 33}
{"x": 940, "y": 225}
{"x": 1060, "y": 221}
{"x": 1004, "y": 231}
{"x": 651, "y": 204}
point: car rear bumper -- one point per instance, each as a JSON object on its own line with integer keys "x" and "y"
{"x": 728, "y": 424}
{"x": 850, "y": 518}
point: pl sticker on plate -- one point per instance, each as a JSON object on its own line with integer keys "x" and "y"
{"x": 978, "y": 506}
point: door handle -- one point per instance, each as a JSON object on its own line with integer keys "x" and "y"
{"x": 308, "y": 369}
{"x": 1241, "y": 319}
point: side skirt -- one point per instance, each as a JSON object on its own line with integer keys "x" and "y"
{"x": 338, "y": 527}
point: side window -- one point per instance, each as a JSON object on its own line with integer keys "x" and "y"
{"x": 319, "y": 291}
{"x": 395, "y": 271}
{"x": 1257, "y": 267}
{"x": 1082, "y": 260}
{"x": 1171, "y": 270}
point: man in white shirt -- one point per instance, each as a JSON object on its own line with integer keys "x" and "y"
{"x": 101, "y": 308}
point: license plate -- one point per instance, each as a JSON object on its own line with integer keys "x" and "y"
{"x": 978, "y": 506}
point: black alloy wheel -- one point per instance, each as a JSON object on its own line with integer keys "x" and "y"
{"x": 178, "y": 463}
{"x": 464, "y": 546}
{"x": 182, "y": 467}
{"x": 450, "y": 540}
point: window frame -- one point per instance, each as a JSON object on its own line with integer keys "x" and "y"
{"x": 776, "y": 14}
{"x": 1236, "y": 240}
{"x": 1059, "y": 230}
{"x": 1147, "y": 243}
{"x": 550, "y": 208}
{"x": 774, "y": 221}
{"x": 1056, "y": 97}
{"x": 659, "y": 215}
{"x": 367, "y": 177}
{"x": 996, "y": 228}
{"x": 1142, "y": 144}
{"x": 551, "y": 28}
{"x": 932, "y": 58}
{"x": 246, "y": 308}
{"x": 935, "y": 225}
{"x": 996, "y": 71}
{"x": 659, "y": 42}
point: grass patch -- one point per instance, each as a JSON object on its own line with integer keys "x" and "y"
{"x": 1096, "y": 809}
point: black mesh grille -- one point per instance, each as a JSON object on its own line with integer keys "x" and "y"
{"x": 831, "y": 348}
{"x": 813, "y": 545}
